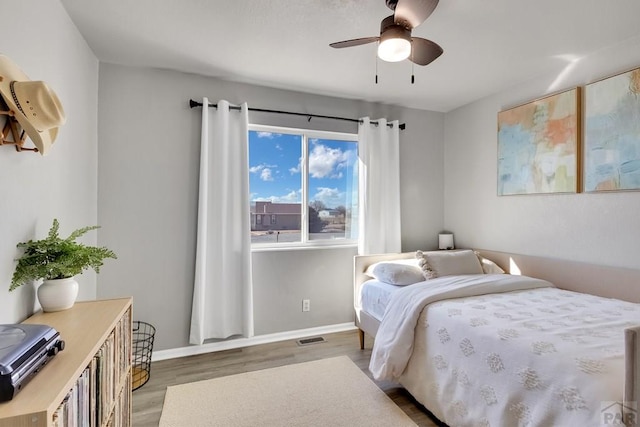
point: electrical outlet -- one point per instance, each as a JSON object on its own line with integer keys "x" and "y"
{"x": 306, "y": 305}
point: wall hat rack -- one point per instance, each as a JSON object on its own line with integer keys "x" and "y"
{"x": 32, "y": 109}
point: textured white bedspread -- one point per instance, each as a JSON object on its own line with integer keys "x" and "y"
{"x": 533, "y": 357}
{"x": 394, "y": 341}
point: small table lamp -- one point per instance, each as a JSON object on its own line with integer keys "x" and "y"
{"x": 445, "y": 241}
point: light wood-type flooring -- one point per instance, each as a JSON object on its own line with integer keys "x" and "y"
{"x": 148, "y": 400}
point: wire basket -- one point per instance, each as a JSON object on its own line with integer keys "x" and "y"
{"x": 143, "y": 336}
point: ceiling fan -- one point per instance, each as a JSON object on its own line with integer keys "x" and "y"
{"x": 396, "y": 43}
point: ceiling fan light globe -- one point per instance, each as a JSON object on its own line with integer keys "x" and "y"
{"x": 394, "y": 49}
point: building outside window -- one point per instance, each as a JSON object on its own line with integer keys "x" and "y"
{"x": 303, "y": 187}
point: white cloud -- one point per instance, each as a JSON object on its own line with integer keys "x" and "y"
{"x": 291, "y": 197}
{"x": 324, "y": 162}
{"x": 268, "y": 135}
{"x": 265, "y": 175}
{"x": 259, "y": 168}
{"x": 298, "y": 168}
{"x": 331, "y": 197}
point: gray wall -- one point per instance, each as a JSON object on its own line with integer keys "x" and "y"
{"x": 147, "y": 198}
{"x": 147, "y": 182}
{"x": 591, "y": 227}
{"x": 42, "y": 40}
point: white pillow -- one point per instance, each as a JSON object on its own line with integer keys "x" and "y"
{"x": 399, "y": 272}
{"x": 448, "y": 263}
{"x": 488, "y": 266}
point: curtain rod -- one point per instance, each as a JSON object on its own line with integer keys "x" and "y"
{"x": 194, "y": 104}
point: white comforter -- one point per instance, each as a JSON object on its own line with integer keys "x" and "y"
{"x": 522, "y": 353}
{"x": 394, "y": 341}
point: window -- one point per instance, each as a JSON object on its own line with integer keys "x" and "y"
{"x": 303, "y": 186}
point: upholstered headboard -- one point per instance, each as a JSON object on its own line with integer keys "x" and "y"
{"x": 606, "y": 281}
{"x": 601, "y": 280}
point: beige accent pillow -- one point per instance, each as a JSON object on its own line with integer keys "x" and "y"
{"x": 448, "y": 263}
{"x": 488, "y": 266}
{"x": 400, "y": 272}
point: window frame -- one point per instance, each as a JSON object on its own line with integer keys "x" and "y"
{"x": 307, "y": 134}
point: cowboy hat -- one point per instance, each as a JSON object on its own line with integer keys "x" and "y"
{"x": 35, "y": 106}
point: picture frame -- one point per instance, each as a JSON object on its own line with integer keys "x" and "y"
{"x": 539, "y": 146}
{"x": 612, "y": 133}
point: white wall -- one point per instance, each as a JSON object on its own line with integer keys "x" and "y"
{"x": 42, "y": 40}
{"x": 148, "y": 185}
{"x": 591, "y": 227}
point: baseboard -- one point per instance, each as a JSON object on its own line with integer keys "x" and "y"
{"x": 247, "y": 342}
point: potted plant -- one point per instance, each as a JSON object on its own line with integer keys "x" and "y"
{"x": 57, "y": 260}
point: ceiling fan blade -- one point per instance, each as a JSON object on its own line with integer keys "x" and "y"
{"x": 423, "y": 51}
{"x": 412, "y": 13}
{"x": 354, "y": 42}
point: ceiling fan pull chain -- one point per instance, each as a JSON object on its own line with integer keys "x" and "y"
{"x": 377, "y": 68}
{"x": 413, "y": 77}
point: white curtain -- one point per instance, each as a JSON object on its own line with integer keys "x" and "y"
{"x": 222, "y": 294}
{"x": 379, "y": 174}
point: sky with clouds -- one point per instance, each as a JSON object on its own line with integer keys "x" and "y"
{"x": 275, "y": 169}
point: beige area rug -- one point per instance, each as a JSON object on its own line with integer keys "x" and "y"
{"x": 328, "y": 392}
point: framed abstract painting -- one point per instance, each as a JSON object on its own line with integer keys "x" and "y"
{"x": 539, "y": 146}
{"x": 612, "y": 133}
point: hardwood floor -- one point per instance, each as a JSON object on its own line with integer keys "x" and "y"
{"x": 148, "y": 400}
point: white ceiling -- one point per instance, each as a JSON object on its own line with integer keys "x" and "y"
{"x": 489, "y": 45}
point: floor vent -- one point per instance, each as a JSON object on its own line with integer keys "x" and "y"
{"x": 311, "y": 340}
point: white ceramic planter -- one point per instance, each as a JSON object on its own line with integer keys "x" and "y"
{"x": 58, "y": 294}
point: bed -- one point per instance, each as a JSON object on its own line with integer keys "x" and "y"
{"x": 546, "y": 345}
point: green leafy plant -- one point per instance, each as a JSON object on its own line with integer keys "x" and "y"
{"x": 57, "y": 258}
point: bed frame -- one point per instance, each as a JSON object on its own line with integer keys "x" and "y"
{"x": 620, "y": 283}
